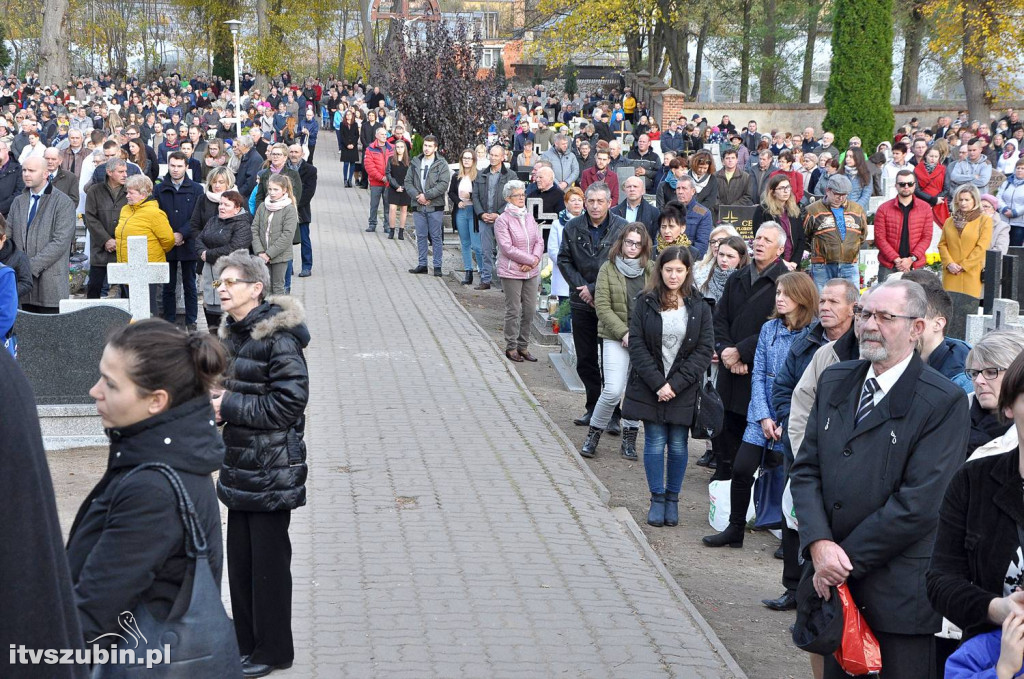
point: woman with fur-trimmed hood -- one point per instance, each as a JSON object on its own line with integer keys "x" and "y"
{"x": 262, "y": 479}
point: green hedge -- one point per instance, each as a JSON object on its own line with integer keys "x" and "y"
{"x": 860, "y": 82}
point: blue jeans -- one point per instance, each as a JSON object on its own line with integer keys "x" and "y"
{"x": 823, "y": 273}
{"x": 347, "y": 170}
{"x": 378, "y": 195}
{"x": 469, "y": 238}
{"x": 307, "y": 247}
{"x": 656, "y": 437}
{"x": 188, "y": 283}
{"x": 429, "y": 222}
{"x": 486, "y": 260}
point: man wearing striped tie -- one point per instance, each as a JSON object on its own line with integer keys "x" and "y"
{"x": 883, "y": 439}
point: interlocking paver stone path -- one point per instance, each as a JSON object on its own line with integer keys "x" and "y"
{"x": 448, "y": 531}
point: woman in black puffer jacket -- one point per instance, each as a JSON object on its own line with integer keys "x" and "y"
{"x": 226, "y": 231}
{"x": 264, "y": 472}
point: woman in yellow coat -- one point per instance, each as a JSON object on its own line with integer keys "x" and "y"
{"x": 142, "y": 216}
{"x": 966, "y": 236}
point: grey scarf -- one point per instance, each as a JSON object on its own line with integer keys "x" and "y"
{"x": 714, "y": 286}
{"x": 630, "y": 268}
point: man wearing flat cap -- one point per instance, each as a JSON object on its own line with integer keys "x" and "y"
{"x": 834, "y": 229}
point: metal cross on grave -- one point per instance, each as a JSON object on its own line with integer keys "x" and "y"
{"x": 138, "y": 274}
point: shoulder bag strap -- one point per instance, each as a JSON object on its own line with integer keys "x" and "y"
{"x": 195, "y": 539}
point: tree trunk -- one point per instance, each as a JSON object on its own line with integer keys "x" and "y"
{"x": 54, "y": 63}
{"x": 342, "y": 46}
{"x": 319, "y": 55}
{"x": 369, "y": 48}
{"x": 698, "y": 57}
{"x": 813, "y": 13}
{"x": 634, "y": 51}
{"x": 769, "y": 61}
{"x": 262, "y": 28}
{"x": 913, "y": 37}
{"x": 975, "y": 85}
{"x": 745, "y": 53}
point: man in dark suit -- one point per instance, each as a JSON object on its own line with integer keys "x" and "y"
{"x": 59, "y": 178}
{"x": 885, "y": 436}
{"x": 634, "y": 208}
{"x": 307, "y": 173}
{"x": 747, "y": 302}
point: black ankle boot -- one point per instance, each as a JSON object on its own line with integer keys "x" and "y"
{"x": 671, "y": 508}
{"x": 732, "y": 536}
{"x": 705, "y": 459}
{"x": 401, "y": 234}
{"x": 628, "y": 449}
{"x": 590, "y": 445}
{"x": 391, "y": 234}
{"x": 468, "y": 278}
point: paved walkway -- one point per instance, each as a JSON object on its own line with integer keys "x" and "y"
{"x": 449, "y": 531}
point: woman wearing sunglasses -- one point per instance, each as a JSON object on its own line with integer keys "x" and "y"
{"x": 266, "y": 387}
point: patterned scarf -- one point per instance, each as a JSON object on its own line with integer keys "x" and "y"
{"x": 962, "y": 219}
{"x": 683, "y": 240}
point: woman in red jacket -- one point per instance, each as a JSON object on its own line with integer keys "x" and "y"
{"x": 796, "y": 180}
{"x": 931, "y": 178}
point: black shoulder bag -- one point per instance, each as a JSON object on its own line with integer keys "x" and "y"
{"x": 198, "y": 632}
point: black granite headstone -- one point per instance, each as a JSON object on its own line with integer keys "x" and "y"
{"x": 963, "y": 305}
{"x": 993, "y": 279}
{"x": 1010, "y": 282}
{"x": 60, "y": 353}
{"x": 1018, "y": 273}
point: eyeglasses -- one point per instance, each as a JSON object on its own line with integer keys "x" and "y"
{"x": 989, "y": 373}
{"x": 632, "y": 243}
{"x": 229, "y": 282}
{"x": 517, "y": 195}
{"x": 783, "y": 187}
{"x": 905, "y": 185}
{"x": 880, "y": 316}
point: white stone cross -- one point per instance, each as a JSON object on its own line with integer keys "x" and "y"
{"x": 138, "y": 273}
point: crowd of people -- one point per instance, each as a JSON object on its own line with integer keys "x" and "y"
{"x": 665, "y": 299}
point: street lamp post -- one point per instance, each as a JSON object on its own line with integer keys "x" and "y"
{"x": 235, "y": 25}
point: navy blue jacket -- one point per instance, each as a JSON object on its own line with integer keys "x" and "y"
{"x": 178, "y": 205}
{"x": 949, "y": 359}
{"x": 647, "y": 213}
{"x": 698, "y": 226}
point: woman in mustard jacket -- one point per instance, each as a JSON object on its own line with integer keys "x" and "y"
{"x": 142, "y": 216}
{"x": 966, "y": 236}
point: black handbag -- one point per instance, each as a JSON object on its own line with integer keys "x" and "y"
{"x": 198, "y": 633}
{"x": 708, "y": 411}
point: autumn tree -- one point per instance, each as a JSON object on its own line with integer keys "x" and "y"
{"x": 54, "y": 53}
{"x": 860, "y": 81}
{"x": 433, "y": 73}
{"x": 986, "y": 39}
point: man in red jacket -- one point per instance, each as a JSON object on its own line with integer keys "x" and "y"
{"x": 375, "y": 163}
{"x": 903, "y": 229}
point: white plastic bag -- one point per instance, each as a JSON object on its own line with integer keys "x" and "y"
{"x": 788, "y": 511}
{"x": 719, "y": 505}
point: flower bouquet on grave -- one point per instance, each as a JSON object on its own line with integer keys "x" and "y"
{"x": 934, "y": 261}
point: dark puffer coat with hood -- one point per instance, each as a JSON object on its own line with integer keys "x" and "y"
{"x": 127, "y": 545}
{"x": 267, "y": 387}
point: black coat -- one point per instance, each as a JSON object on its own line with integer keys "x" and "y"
{"x": 263, "y": 408}
{"x": 37, "y": 600}
{"x": 739, "y": 315}
{"x": 976, "y": 541}
{"x": 223, "y": 236}
{"x": 11, "y": 185}
{"x": 11, "y": 256}
{"x": 249, "y": 165}
{"x": 127, "y": 545}
{"x": 206, "y": 210}
{"x": 796, "y": 224}
{"x": 579, "y": 259}
{"x": 307, "y": 175}
{"x": 875, "y": 487}
{"x": 349, "y": 134}
{"x": 647, "y": 367}
{"x": 647, "y": 213}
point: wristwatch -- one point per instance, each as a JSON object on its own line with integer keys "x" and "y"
{"x": 913, "y": 258}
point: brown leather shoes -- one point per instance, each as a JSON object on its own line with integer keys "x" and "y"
{"x": 527, "y": 356}
{"x": 483, "y": 286}
{"x": 513, "y": 356}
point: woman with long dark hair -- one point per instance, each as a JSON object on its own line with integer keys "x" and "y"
{"x": 779, "y": 204}
{"x": 671, "y": 341}
{"x": 348, "y": 135}
{"x": 859, "y": 174}
{"x": 398, "y": 200}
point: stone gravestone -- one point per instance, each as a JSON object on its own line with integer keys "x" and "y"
{"x": 992, "y": 284}
{"x": 963, "y": 306}
{"x": 1017, "y": 287}
{"x": 740, "y": 217}
{"x": 138, "y": 273}
{"x": 1005, "y": 316}
{"x": 60, "y": 353}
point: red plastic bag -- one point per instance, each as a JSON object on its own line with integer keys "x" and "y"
{"x": 859, "y": 652}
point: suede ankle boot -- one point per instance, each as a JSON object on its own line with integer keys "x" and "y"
{"x": 656, "y": 516}
{"x": 671, "y": 509}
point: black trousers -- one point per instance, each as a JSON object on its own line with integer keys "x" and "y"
{"x": 748, "y": 459}
{"x": 97, "y": 279}
{"x": 904, "y": 656}
{"x": 728, "y": 442}
{"x": 791, "y": 570}
{"x": 585, "y": 339}
{"x": 260, "y": 579}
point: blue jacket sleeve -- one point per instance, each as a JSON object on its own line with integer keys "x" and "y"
{"x": 760, "y": 386}
{"x": 782, "y": 389}
{"x": 976, "y": 658}
{"x": 8, "y": 299}
{"x": 701, "y": 242}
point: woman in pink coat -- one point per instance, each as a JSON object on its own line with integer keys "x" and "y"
{"x": 520, "y": 247}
